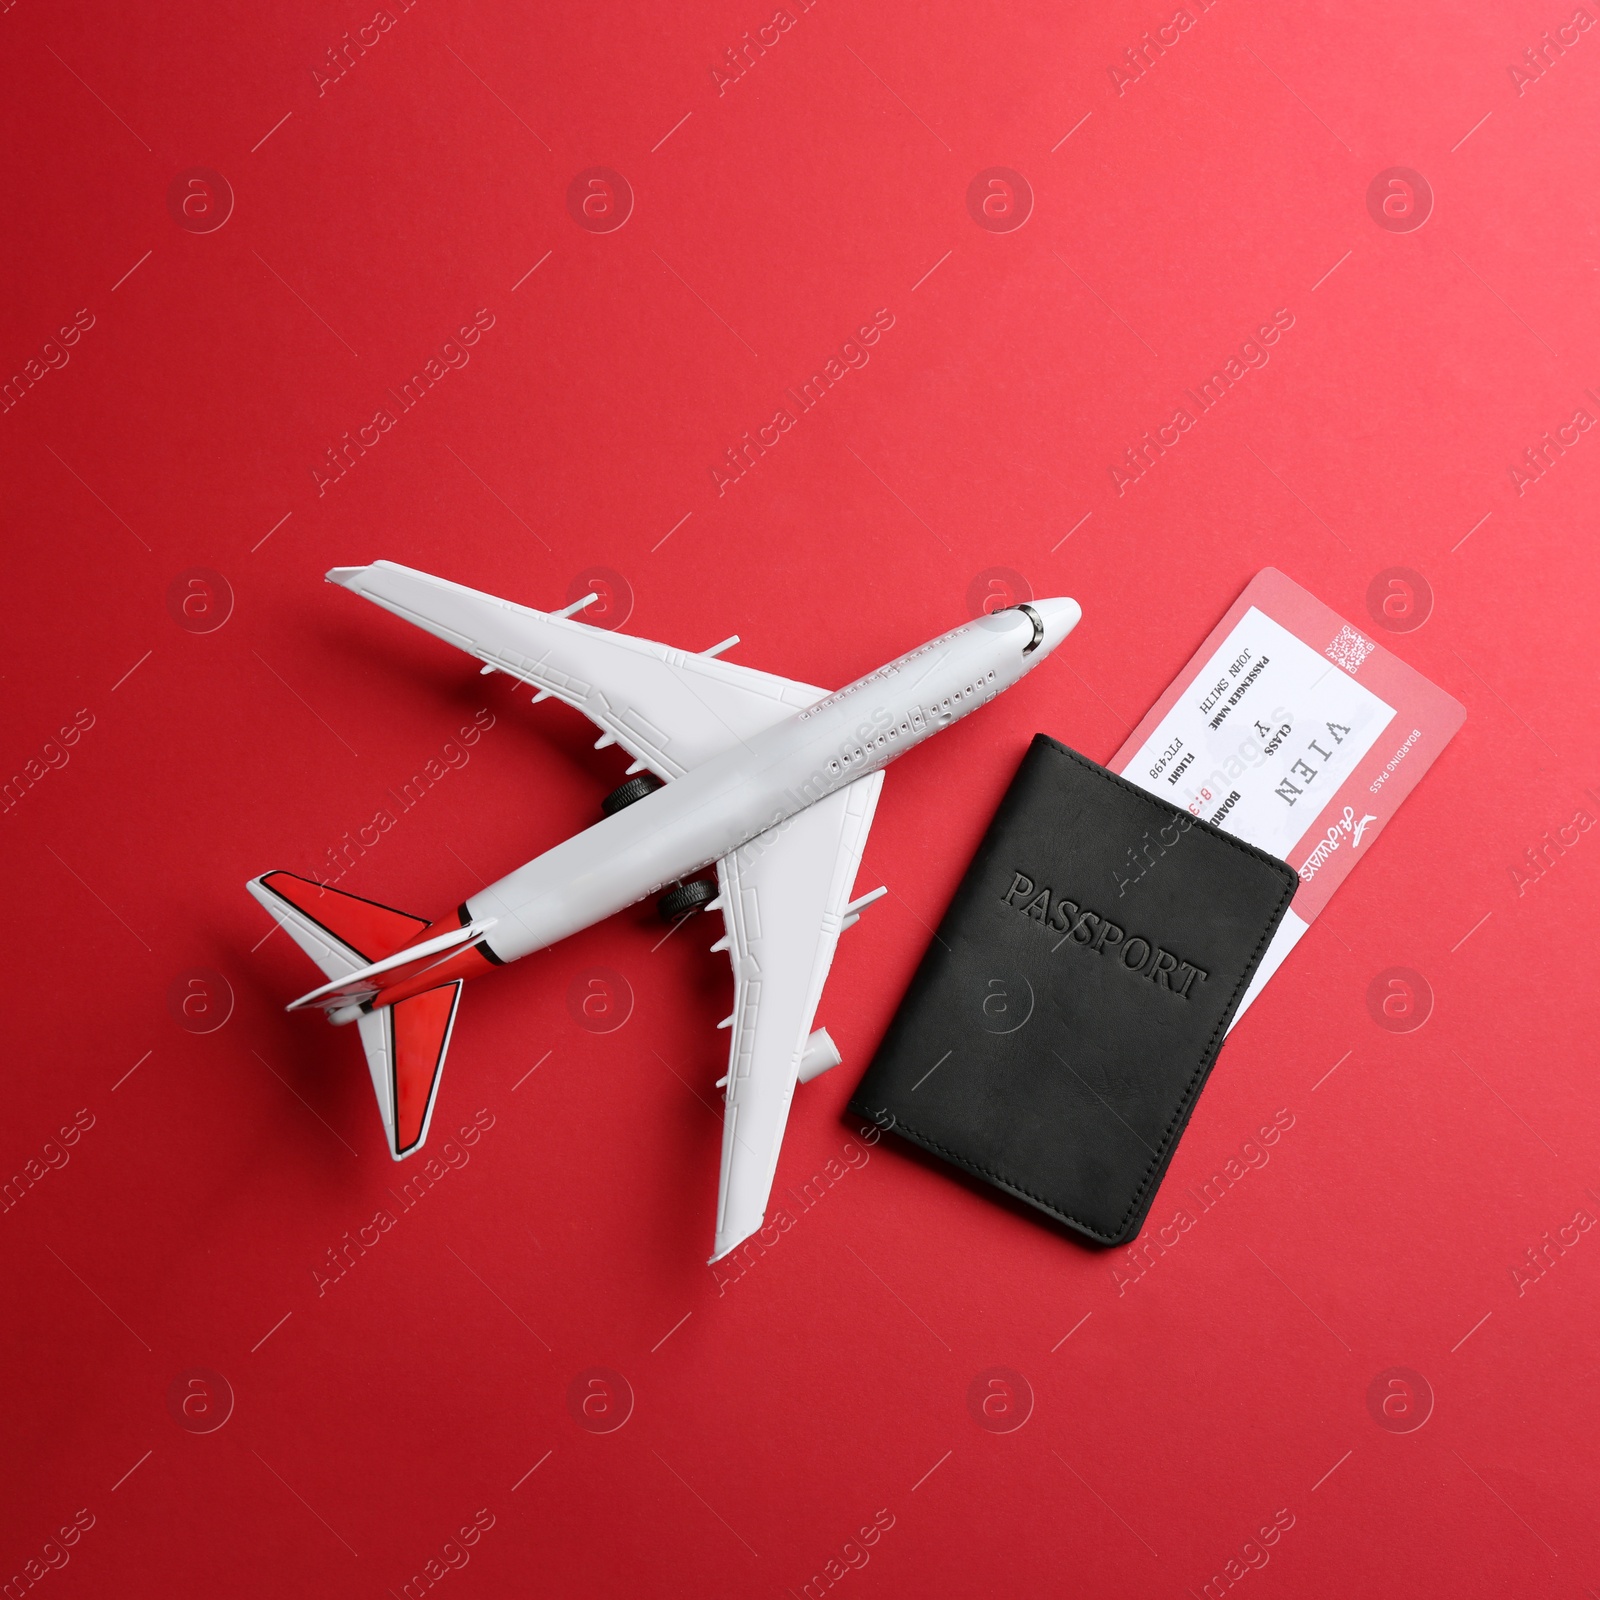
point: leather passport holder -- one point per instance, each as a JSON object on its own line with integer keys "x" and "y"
{"x": 1060, "y": 1027}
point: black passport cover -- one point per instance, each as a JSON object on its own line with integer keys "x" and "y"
{"x": 1060, "y": 1027}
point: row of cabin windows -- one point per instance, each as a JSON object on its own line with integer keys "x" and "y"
{"x": 860, "y": 752}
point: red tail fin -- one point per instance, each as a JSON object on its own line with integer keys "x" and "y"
{"x": 405, "y": 1042}
{"x": 421, "y": 1036}
{"x": 363, "y": 926}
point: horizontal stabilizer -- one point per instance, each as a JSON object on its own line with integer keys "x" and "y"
{"x": 349, "y": 938}
{"x": 341, "y": 932}
{"x": 406, "y": 1045}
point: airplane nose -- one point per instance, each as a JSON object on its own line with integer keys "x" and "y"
{"x": 1060, "y": 617}
{"x": 1053, "y": 620}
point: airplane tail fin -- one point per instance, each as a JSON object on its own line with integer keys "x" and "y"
{"x": 405, "y": 1043}
{"x": 341, "y": 932}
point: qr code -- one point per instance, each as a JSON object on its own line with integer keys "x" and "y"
{"x": 1349, "y": 649}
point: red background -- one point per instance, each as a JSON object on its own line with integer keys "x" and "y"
{"x": 831, "y": 1380}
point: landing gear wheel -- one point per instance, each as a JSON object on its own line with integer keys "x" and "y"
{"x": 677, "y": 903}
{"x": 626, "y": 794}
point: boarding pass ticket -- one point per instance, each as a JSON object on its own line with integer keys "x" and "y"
{"x": 1296, "y": 732}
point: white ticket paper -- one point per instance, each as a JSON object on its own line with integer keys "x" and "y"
{"x": 1279, "y": 731}
{"x": 1263, "y": 738}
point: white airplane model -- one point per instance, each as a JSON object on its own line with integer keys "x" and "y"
{"x": 774, "y": 781}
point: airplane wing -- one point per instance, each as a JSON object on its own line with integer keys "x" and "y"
{"x": 785, "y": 899}
{"x": 669, "y": 709}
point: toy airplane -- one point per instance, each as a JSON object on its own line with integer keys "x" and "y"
{"x": 773, "y": 781}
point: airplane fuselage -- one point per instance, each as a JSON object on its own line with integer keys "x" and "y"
{"x": 730, "y": 800}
